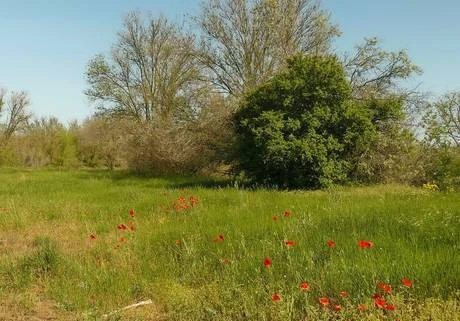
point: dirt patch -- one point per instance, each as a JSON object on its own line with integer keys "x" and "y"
{"x": 29, "y": 307}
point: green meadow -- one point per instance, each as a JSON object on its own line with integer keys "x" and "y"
{"x": 77, "y": 245}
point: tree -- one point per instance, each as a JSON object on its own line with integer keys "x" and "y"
{"x": 302, "y": 128}
{"x": 102, "y": 140}
{"x": 16, "y": 113}
{"x": 374, "y": 72}
{"x": 244, "y": 42}
{"x": 442, "y": 120}
{"x": 150, "y": 71}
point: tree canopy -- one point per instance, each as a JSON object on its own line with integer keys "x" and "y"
{"x": 304, "y": 129}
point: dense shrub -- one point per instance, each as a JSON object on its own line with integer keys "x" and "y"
{"x": 303, "y": 129}
{"x": 101, "y": 141}
{"x": 441, "y": 166}
{"x": 199, "y": 143}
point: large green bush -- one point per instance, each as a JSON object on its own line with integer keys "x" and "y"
{"x": 303, "y": 129}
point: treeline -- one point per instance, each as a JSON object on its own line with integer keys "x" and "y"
{"x": 253, "y": 89}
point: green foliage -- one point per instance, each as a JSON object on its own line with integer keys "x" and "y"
{"x": 442, "y": 121}
{"x": 302, "y": 128}
{"x": 441, "y": 166}
{"x": 386, "y": 152}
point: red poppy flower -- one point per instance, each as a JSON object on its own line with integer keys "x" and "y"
{"x": 376, "y": 296}
{"x": 181, "y": 199}
{"x": 178, "y": 242}
{"x": 122, "y": 227}
{"x": 337, "y": 307}
{"x": 226, "y": 261}
{"x": 344, "y": 294}
{"x": 406, "y": 282}
{"x": 122, "y": 239}
{"x": 330, "y": 243}
{"x": 267, "y": 262}
{"x": 131, "y": 213}
{"x": 324, "y": 301}
{"x": 365, "y": 244}
{"x": 390, "y": 307}
{"x": 380, "y": 303}
{"x": 193, "y": 200}
{"x": 385, "y": 287}
{"x": 275, "y": 218}
{"x": 287, "y": 213}
{"x": 290, "y": 243}
{"x": 92, "y": 237}
{"x": 219, "y": 238}
{"x": 276, "y": 297}
{"x": 304, "y": 286}
{"x": 362, "y": 307}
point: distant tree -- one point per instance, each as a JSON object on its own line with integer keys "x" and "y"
{"x": 16, "y": 114}
{"x": 244, "y": 42}
{"x": 442, "y": 120}
{"x": 149, "y": 73}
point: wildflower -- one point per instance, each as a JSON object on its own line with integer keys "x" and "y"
{"x": 337, "y": 307}
{"x": 290, "y": 243}
{"x": 330, "y": 243}
{"x": 275, "y": 218}
{"x": 178, "y": 242}
{"x": 376, "y": 296}
{"x": 406, "y": 282}
{"x": 365, "y": 244}
{"x": 362, "y": 307}
{"x": 219, "y": 238}
{"x": 122, "y": 227}
{"x": 431, "y": 186}
{"x": 304, "y": 286}
{"x": 344, "y": 294}
{"x": 181, "y": 199}
{"x": 267, "y": 262}
{"x": 122, "y": 239}
{"x": 324, "y": 301}
{"x": 226, "y": 261}
{"x": 385, "y": 287}
{"x": 390, "y": 307}
{"x": 287, "y": 213}
{"x": 92, "y": 237}
{"x": 131, "y": 212}
{"x": 193, "y": 200}
{"x": 380, "y": 303}
{"x": 276, "y": 297}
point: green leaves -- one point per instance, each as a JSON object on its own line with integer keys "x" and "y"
{"x": 304, "y": 129}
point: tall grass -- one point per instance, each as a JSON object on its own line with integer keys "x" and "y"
{"x": 176, "y": 256}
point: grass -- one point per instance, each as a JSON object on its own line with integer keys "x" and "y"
{"x": 49, "y": 265}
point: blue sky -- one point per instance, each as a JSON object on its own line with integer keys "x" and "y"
{"x": 46, "y": 44}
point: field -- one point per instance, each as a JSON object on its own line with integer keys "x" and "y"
{"x": 75, "y": 245}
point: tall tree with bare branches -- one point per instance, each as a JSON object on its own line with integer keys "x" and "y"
{"x": 244, "y": 42}
{"x": 14, "y": 111}
{"x": 149, "y": 72}
{"x": 374, "y": 72}
{"x": 442, "y": 120}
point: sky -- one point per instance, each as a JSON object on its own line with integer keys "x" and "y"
{"x": 45, "y": 45}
